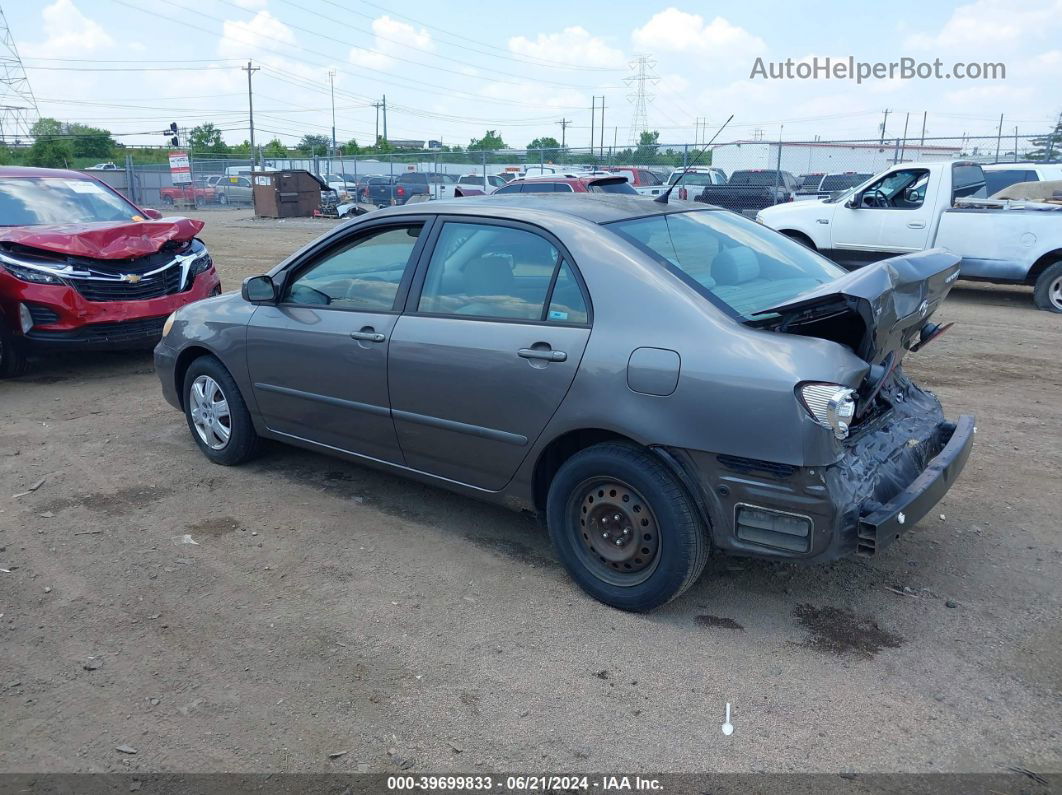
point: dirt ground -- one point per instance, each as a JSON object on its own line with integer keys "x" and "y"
{"x": 326, "y": 607}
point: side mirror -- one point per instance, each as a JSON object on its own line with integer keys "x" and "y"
{"x": 259, "y": 290}
{"x": 855, "y": 202}
{"x": 154, "y": 215}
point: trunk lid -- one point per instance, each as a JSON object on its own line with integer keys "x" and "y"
{"x": 109, "y": 240}
{"x": 878, "y": 311}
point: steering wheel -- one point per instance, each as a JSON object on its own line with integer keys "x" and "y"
{"x": 875, "y": 198}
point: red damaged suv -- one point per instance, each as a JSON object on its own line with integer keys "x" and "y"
{"x": 82, "y": 267}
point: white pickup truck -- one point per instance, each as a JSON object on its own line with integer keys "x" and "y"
{"x": 915, "y": 206}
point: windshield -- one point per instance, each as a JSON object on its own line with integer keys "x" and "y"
{"x": 32, "y": 201}
{"x": 699, "y": 178}
{"x": 733, "y": 261}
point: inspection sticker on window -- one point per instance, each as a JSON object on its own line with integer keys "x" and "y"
{"x": 555, "y": 315}
{"x": 83, "y": 186}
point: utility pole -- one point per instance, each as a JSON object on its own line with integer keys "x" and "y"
{"x": 564, "y": 129}
{"x": 250, "y": 70}
{"x": 384, "y": 101}
{"x": 601, "y": 143}
{"x": 999, "y": 136}
{"x": 332, "y": 90}
{"x": 906, "y": 120}
{"x": 884, "y": 121}
{"x": 593, "y": 110}
{"x": 924, "y": 114}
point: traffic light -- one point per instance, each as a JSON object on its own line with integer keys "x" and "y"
{"x": 172, "y": 131}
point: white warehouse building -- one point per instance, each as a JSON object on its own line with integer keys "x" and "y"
{"x": 809, "y": 157}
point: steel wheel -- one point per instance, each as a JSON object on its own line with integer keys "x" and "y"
{"x": 1054, "y": 293}
{"x": 617, "y": 529}
{"x": 210, "y": 412}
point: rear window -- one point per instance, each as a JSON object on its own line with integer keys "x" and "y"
{"x": 32, "y": 201}
{"x": 698, "y": 178}
{"x": 612, "y": 185}
{"x": 734, "y": 262}
{"x": 842, "y": 181}
{"x": 760, "y": 178}
{"x": 967, "y": 180}
{"x": 811, "y": 181}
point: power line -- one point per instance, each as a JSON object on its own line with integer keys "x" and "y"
{"x": 643, "y": 76}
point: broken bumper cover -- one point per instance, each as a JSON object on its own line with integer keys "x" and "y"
{"x": 878, "y": 529}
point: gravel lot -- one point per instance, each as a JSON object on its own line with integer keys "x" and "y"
{"x": 330, "y": 608}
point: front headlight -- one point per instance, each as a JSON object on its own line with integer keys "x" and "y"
{"x": 29, "y": 274}
{"x": 832, "y": 405}
{"x": 168, "y": 324}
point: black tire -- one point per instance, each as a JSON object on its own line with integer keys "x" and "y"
{"x": 1048, "y": 291}
{"x": 12, "y": 353}
{"x": 223, "y": 199}
{"x": 800, "y": 238}
{"x": 242, "y": 443}
{"x": 634, "y": 483}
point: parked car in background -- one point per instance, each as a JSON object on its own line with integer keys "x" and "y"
{"x": 569, "y": 183}
{"x": 432, "y": 185}
{"x": 103, "y": 167}
{"x": 999, "y": 176}
{"x": 654, "y": 380}
{"x": 379, "y": 191}
{"x": 82, "y": 267}
{"x": 695, "y": 179}
{"x": 823, "y": 186}
{"x": 642, "y": 180}
{"x": 487, "y": 184}
{"x": 234, "y": 190}
{"x": 913, "y": 206}
{"x": 748, "y": 192}
{"x": 202, "y": 190}
{"x": 344, "y": 188}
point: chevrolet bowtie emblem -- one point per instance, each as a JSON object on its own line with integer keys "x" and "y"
{"x": 132, "y": 278}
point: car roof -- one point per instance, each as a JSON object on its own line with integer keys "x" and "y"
{"x": 27, "y": 171}
{"x": 598, "y": 208}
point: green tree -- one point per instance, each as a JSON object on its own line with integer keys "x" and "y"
{"x": 314, "y": 144}
{"x": 50, "y": 152}
{"x": 46, "y": 126}
{"x": 90, "y": 141}
{"x": 491, "y": 142}
{"x": 275, "y": 149}
{"x": 7, "y": 157}
{"x": 545, "y": 142}
{"x": 207, "y": 138}
{"x": 648, "y": 143}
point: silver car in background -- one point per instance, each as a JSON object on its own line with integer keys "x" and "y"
{"x": 653, "y": 380}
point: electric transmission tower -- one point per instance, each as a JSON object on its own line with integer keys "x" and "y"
{"x": 639, "y": 83}
{"x": 18, "y": 106}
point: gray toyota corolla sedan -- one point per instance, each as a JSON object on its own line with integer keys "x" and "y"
{"x": 654, "y": 380}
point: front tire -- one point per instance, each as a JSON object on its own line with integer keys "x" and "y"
{"x": 1048, "y": 291}
{"x": 12, "y": 354}
{"x": 217, "y": 415}
{"x": 624, "y": 528}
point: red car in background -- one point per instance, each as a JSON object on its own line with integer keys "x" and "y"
{"x": 82, "y": 267}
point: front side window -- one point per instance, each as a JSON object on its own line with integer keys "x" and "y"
{"x": 31, "y": 201}
{"x": 733, "y": 261}
{"x": 488, "y": 271}
{"x": 900, "y": 190}
{"x": 364, "y": 274}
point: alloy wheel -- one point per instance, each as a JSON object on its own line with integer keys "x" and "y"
{"x": 210, "y": 412}
{"x": 1054, "y": 293}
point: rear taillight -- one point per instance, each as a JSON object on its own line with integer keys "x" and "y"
{"x": 400, "y": 191}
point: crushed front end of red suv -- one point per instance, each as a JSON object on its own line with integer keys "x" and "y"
{"x": 82, "y": 267}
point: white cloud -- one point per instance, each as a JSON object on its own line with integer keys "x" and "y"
{"x": 239, "y": 39}
{"x": 991, "y": 23}
{"x": 573, "y": 46}
{"x": 390, "y": 38}
{"x": 69, "y": 33}
{"x": 672, "y": 30}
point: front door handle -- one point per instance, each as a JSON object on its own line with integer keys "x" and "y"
{"x": 546, "y": 355}
{"x": 917, "y": 225}
{"x": 367, "y": 334}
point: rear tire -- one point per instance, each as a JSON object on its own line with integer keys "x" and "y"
{"x": 801, "y": 238}
{"x": 624, "y": 528}
{"x": 1048, "y": 291}
{"x": 12, "y": 353}
{"x": 217, "y": 415}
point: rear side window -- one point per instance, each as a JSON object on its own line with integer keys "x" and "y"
{"x": 613, "y": 186}
{"x": 648, "y": 178}
{"x": 364, "y": 274}
{"x": 490, "y": 271}
{"x": 539, "y": 187}
{"x": 967, "y": 180}
{"x": 512, "y": 187}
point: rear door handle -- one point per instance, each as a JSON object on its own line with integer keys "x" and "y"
{"x": 367, "y": 335}
{"x": 546, "y": 355}
{"x": 917, "y": 225}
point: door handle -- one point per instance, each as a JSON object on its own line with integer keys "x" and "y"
{"x": 917, "y": 225}
{"x": 546, "y": 355}
{"x": 367, "y": 335}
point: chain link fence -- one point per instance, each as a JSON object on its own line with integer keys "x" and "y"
{"x": 225, "y": 181}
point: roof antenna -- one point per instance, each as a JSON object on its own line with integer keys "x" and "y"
{"x": 663, "y": 197}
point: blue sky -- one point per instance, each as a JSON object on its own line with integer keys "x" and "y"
{"x": 451, "y": 71}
